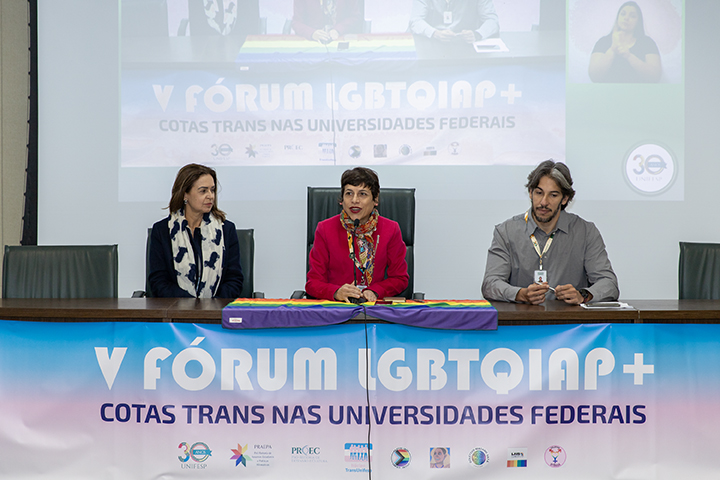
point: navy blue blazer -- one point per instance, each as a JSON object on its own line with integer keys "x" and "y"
{"x": 163, "y": 276}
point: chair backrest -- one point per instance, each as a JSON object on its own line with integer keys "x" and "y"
{"x": 699, "y": 271}
{"x": 246, "y": 239}
{"x": 397, "y": 204}
{"x": 67, "y": 271}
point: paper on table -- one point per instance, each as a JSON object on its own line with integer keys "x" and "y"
{"x": 490, "y": 45}
{"x": 605, "y": 305}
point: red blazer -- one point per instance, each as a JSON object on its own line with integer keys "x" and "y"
{"x": 331, "y": 267}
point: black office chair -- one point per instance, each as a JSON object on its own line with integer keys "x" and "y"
{"x": 699, "y": 271}
{"x": 246, "y": 239}
{"x": 397, "y": 204}
{"x": 67, "y": 271}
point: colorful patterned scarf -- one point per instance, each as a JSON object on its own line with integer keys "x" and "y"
{"x": 365, "y": 259}
{"x": 329, "y": 11}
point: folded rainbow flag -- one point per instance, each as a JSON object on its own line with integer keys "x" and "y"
{"x": 280, "y": 313}
{"x": 296, "y": 53}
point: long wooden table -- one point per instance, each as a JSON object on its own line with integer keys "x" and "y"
{"x": 210, "y": 311}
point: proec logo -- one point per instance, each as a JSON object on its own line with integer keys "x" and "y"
{"x": 306, "y": 450}
{"x": 650, "y": 168}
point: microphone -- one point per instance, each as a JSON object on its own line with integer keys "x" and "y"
{"x": 356, "y": 224}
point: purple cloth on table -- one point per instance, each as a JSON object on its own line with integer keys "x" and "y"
{"x": 438, "y": 317}
{"x": 455, "y": 318}
{"x": 285, "y": 316}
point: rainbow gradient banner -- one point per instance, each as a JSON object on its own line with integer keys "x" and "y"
{"x": 155, "y": 400}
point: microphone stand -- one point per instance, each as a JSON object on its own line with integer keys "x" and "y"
{"x": 356, "y": 224}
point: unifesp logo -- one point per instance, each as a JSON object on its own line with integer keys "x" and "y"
{"x": 223, "y": 150}
{"x": 555, "y": 456}
{"x": 240, "y": 456}
{"x": 355, "y": 151}
{"x": 198, "y": 451}
{"x": 478, "y": 457}
{"x": 400, "y": 457}
{"x": 650, "y": 168}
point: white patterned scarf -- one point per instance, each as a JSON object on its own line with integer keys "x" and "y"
{"x": 213, "y": 249}
{"x": 221, "y": 17}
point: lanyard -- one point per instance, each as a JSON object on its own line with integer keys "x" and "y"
{"x": 537, "y": 245}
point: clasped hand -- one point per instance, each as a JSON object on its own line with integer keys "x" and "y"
{"x": 467, "y": 36}
{"x": 325, "y": 37}
{"x": 535, "y": 294}
{"x": 347, "y": 291}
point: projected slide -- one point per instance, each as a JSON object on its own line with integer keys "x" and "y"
{"x": 267, "y": 83}
{"x": 238, "y": 94}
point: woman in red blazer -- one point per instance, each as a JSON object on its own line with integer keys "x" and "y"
{"x": 357, "y": 255}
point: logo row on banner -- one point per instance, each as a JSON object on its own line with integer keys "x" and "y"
{"x": 358, "y": 457}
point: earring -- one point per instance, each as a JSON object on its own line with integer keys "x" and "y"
{"x": 185, "y": 201}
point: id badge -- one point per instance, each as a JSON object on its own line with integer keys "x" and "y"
{"x": 447, "y": 17}
{"x": 541, "y": 276}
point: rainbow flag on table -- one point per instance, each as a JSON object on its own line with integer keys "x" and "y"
{"x": 278, "y": 313}
{"x": 292, "y": 51}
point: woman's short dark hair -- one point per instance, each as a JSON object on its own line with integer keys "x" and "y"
{"x": 639, "y": 26}
{"x": 185, "y": 179}
{"x": 360, "y": 176}
{"x": 559, "y": 172}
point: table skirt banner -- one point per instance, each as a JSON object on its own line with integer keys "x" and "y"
{"x": 275, "y": 313}
{"x": 142, "y": 400}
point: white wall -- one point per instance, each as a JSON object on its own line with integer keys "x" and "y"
{"x": 79, "y": 181}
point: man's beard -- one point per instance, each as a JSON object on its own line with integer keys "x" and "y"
{"x": 546, "y": 219}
